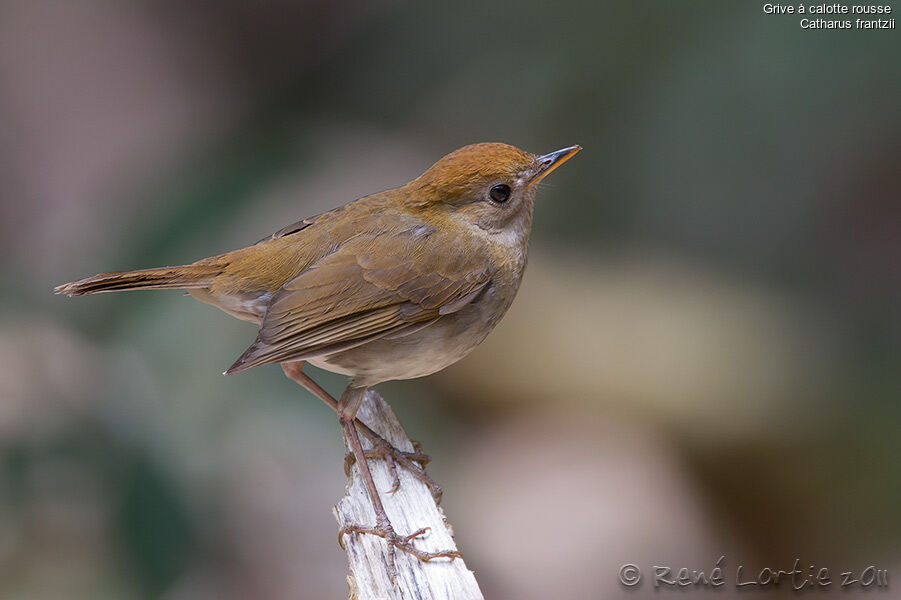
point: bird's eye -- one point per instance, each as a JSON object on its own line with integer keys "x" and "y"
{"x": 500, "y": 193}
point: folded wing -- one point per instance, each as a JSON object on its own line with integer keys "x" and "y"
{"x": 364, "y": 290}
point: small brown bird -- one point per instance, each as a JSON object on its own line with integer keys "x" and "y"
{"x": 395, "y": 285}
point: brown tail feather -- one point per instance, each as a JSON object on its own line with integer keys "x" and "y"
{"x": 185, "y": 277}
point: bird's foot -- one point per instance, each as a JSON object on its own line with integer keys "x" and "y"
{"x": 397, "y": 542}
{"x": 414, "y": 462}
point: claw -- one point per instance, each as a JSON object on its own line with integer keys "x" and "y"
{"x": 423, "y": 458}
{"x": 413, "y": 461}
{"x": 397, "y": 542}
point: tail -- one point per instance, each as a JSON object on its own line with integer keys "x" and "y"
{"x": 184, "y": 277}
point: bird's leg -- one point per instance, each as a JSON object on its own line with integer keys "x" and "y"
{"x": 347, "y": 409}
{"x": 381, "y": 448}
{"x": 414, "y": 462}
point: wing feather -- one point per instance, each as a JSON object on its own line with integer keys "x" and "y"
{"x": 366, "y": 289}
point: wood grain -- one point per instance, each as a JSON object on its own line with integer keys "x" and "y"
{"x": 410, "y": 508}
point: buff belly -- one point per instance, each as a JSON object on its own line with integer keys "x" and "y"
{"x": 421, "y": 353}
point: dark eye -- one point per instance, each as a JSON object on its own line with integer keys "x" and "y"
{"x": 500, "y": 193}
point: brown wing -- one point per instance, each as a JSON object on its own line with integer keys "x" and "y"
{"x": 369, "y": 287}
{"x": 290, "y": 229}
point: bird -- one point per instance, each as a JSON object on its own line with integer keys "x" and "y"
{"x": 395, "y": 285}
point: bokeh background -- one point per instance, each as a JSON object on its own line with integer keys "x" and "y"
{"x": 703, "y": 359}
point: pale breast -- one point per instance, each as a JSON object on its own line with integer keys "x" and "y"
{"x": 425, "y": 351}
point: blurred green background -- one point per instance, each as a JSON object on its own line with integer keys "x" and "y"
{"x": 703, "y": 359}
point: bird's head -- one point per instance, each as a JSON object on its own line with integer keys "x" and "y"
{"x": 489, "y": 185}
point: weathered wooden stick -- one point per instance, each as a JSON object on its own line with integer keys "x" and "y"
{"x": 410, "y": 508}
